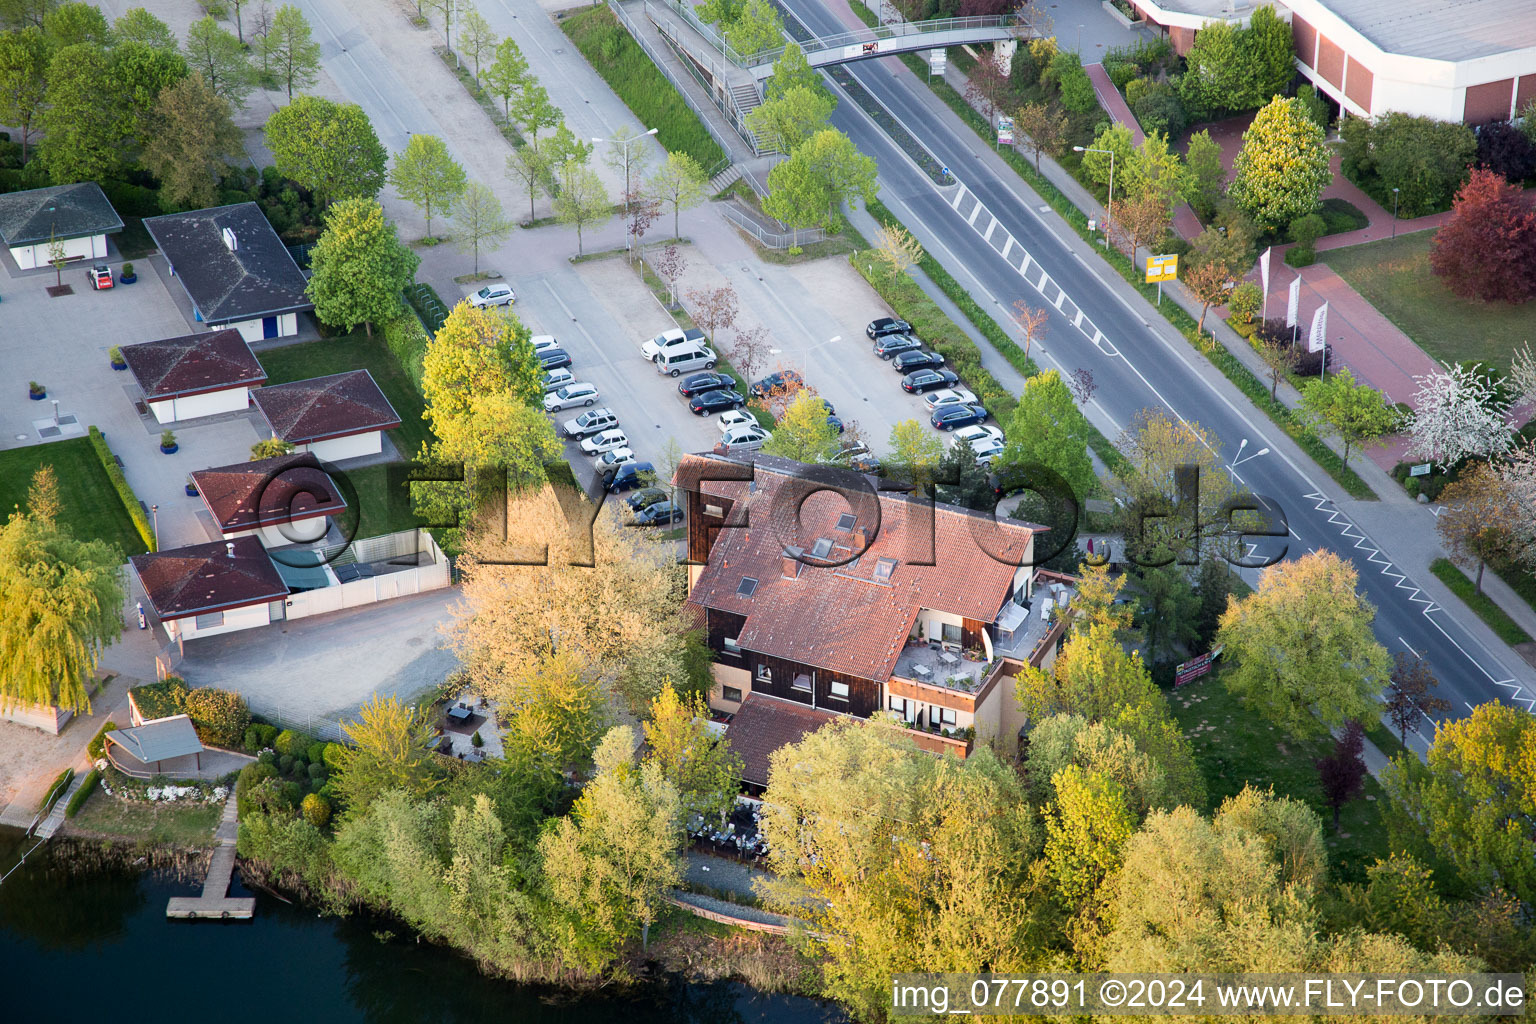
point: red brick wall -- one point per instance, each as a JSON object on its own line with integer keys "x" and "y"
{"x": 1358, "y": 85}
{"x": 1527, "y": 92}
{"x": 1304, "y": 37}
{"x": 1488, "y": 102}
{"x": 1182, "y": 39}
{"x": 1330, "y": 61}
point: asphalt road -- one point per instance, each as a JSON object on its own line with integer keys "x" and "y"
{"x": 995, "y": 242}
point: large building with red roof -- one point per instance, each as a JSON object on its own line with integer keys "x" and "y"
{"x": 195, "y": 375}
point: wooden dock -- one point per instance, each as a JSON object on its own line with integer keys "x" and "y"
{"x": 215, "y": 903}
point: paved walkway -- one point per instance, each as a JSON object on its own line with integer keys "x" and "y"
{"x": 215, "y": 901}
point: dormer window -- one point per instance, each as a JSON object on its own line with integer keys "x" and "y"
{"x": 846, "y": 520}
{"x": 822, "y": 547}
{"x": 747, "y": 587}
{"x": 883, "y": 569}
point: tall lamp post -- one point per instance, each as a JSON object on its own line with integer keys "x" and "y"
{"x": 805, "y": 353}
{"x": 1110, "y": 213}
{"x": 626, "y": 144}
{"x": 1394, "y": 213}
{"x": 154, "y": 510}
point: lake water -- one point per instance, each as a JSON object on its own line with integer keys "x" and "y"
{"x": 97, "y": 946}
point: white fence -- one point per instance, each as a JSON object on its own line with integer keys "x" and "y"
{"x": 431, "y": 572}
{"x": 772, "y": 239}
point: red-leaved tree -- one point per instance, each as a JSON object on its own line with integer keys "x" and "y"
{"x": 1487, "y": 250}
{"x": 1342, "y": 773}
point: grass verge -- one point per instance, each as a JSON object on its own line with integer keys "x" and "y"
{"x": 1394, "y": 276}
{"x": 1462, "y": 586}
{"x": 1235, "y": 747}
{"x": 148, "y": 822}
{"x": 1251, "y": 386}
{"x": 95, "y": 505}
{"x": 629, "y": 71}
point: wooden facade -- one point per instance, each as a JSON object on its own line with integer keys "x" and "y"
{"x": 806, "y": 684}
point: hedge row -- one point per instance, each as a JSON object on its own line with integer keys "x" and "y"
{"x": 407, "y": 339}
{"x": 96, "y": 748}
{"x": 87, "y": 787}
{"x": 56, "y": 790}
{"x": 220, "y": 716}
{"x": 124, "y": 492}
{"x": 1224, "y": 361}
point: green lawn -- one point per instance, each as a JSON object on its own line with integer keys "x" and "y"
{"x": 1394, "y": 276}
{"x": 92, "y": 509}
{"x": 1465, "y": 588}
{"x": 1235, "y": 747}
{"x": 354, "y": 352}
{"x": 178, "y": 824}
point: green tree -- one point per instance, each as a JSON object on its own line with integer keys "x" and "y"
{"x": 582, "y": 200}
{"x": 1096, "y": 748}
{"x": 327, "y": 147}
{"x": 611, "y": 862}
{"x": 62, "y": 602}
{"x": 1167, "y": 612}
{"x": 1357, "y": 412}
{"x": 916, "y": 450}
{"x": 823, "y": 173}
{"x": 1112, "y": 139}
{"x": 1087, "y": 825}
{"x": 680, "y": 184}
{"x": 23, "y": 80}
{"x": 700, "y": 763}
{"x": 1048, "y": 430}
{"x": 140, "y": 74}
{"x": 390, "y": 747}
{"x": 920, "y": 862}
{"x": 535, "y": 111}
{"x": 792, "y": 71}
{"x": 22, "y": 13}
{"x": 1283, "y": 165}
{"x": 1425, "y": 159}
{"x": 1301, "y": 647}
{"x": 528, "y": 165}
{"x": 1214, "y": 67}
{"x": 1269, "y": 56}
{"x": 1207, "y": 176}
{"x": 480, "y": 220}
{"x": 191, "y": 144}
{"x": 139, "y": 26}
{"x": 359, "y": 266}
{"x": 290, "y": 48}
{"x": 476, "y": 38}
{"x": 755, "y": 28}
{"x": 790, "y": 118}
{"x": 219, "y": 57}
{"x": 1156, "y": 169}
{"x": 508, "y": 74}
{"x": 1473, "y": 797}
{"x": 82, "y": 128}
{"x": 426, "y": 176}
{"x": 803, "y": 433}
{"x": 71, "y": 24}
{"x": 558, "y": 710}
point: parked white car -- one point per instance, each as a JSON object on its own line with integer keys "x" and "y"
{"x": 492, "y": 295}
{"x": 949, "y": 396}
{"x": 556, "y": 379}
{"x": 745, "y": 438}
{"x": 605, "y": 441}
{"x": 987, "y": 452}
{"x": 543, "y": 342}
{"x": 978, "y": 436}
{"x": 589, "y": 422}
{"x": 612, "y": 460}
{"x": 570, "y": 396}
{"x": 735, "y": 418}
{"x": 670, "y": 339}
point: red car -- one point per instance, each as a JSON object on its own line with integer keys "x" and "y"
{"x": 100, "y": 277}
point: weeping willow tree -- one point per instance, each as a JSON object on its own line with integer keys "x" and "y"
{"x": 61, "y": 604}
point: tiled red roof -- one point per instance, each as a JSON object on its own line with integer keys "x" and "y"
{"x": 845, "y": 618}
{"x": 268, "y": 491}
{"x": 763, "y": 725}
{"x": 326, "y": 407}
{"x": 204, "y": 577}
{"x": 193, "y": 364}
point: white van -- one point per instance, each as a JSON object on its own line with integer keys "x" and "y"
{"x": 681, "y": 359}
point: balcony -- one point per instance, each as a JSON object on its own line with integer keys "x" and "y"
{"x": 949, "y": 669}
{"x": 1018, "y": 631}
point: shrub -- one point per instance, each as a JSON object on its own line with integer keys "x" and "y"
{"x": 268, "y": 733}
{"x": 290, "y": 742}
{"x": 333, "y": 755}
{"x": 1077, "y": 93}
{"x": 407, "y": 339}
{"x": 316, "y": 810}
{"x": 315, "y": 752}
{"x": 94, "y": 748}
{"x": 317, "y": 771}
{"x": 1300, "y": 256}
{"x": 285, "y": 764}
{"x": 124, "y": 492}
{"x": 1158, "y": 108}
{"x": 87, "y": 787}
{"x": 1246, "y": 299}
{"x": 160, "y": 700}
{"x": 475, "y": 740}
{"x": 252, "y": 738}
{"x": 1122, "y": 73}
{"x": 292, "y": 793}
{"x": 268, "y": 757}
{"x": 1305, "y": 231}
{"x": 221, "y": 716}
{"x": 247, "y": 782}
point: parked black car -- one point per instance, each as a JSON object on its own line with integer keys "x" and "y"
{"x": 631, "y": 477}
{"x": 886, "y": 325}
{"x": 918, "y": 381}
{"x": 951, "y": 416}
{"x": 551, "y": 358}
{"x": 658, "y": 513}
{"x": 917, "y": 359}
{"x": 774, "y": 381}
{"x": 892, "y": 345}
{"x": 698, "y": 383}
{"x": 645, "y": 496}
{"x": 707, "y": 402}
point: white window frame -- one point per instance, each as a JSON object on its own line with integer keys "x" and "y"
{"x": 837, "y": 691}
{"x": 209, "y": 620}
{"x": 764, "y": 674}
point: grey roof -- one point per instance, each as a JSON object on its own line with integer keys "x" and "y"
{"x": 1451, "y": 30}
{"x": 159, "y": 740}
{"x": 78, "y": 210}
{"x": 255, "y": 279}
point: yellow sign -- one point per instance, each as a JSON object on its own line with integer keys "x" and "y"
{"x": 1162, "y": 268}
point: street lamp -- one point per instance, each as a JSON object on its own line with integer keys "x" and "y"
{"x": 1110, "y": 213}
{"x": 804, "y": 353}
{"x": 625, "y": 142}
{"x": 1394, "y": 213}
{"x": 154, "y": 510}
{"x": 1238, "y": 460}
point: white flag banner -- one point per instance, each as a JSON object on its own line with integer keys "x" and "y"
{"x": 1293, "y": 303}
{"x": 1264, "y": 270}
{"x": 1319, "y": 335}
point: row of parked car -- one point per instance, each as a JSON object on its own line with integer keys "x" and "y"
{"x": 950, "y": 407}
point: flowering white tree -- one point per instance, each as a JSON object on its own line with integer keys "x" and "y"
{"x": 1522, "y": 374}
{"x": 1460, "y": 414}
{"x": 1519, "y": 475}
